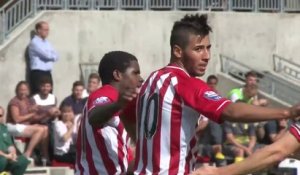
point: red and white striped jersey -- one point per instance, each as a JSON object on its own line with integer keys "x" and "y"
{"x": 295, "y": 130}
{"x": 169, "y": 105}
{"x": 103, "y": 149}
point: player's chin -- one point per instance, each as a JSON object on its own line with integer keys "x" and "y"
{"x": 200, "y": 73}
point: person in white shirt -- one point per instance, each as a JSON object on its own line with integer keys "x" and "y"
{"x": 64, "y": 136}
{"x": 46, "y": 101}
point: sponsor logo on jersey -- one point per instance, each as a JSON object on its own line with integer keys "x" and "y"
{"x": 101, "y": 100}
{"x": 211, "y": 95}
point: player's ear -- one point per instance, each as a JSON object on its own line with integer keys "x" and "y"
{"x": 177, "y": 51}
{"x": 117, "y": 75}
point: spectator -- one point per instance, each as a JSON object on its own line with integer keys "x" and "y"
{"x": 213, "y": 134}
{"x": 241, "y": 139}
{"x": 46, "y": 101}
{"x": 21, "y": 113}
{"x": 274, "y": 130}
{"x": 10, "y": 160}
{"x": 251, "y": 79}
{"x": 245, "y": 94}
{"x": 64, "y": 136}
{"x": 75, "y": 99}
{"x": 41, "y": 55}
{"x": 93, "y": 84}
{"x": 212, "y": 82}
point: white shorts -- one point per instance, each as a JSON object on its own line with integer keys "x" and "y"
{"x": 16, "y": 130}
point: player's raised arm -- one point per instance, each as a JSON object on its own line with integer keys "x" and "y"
{"x": 106, "y": 111}
{"x": 240, "y": 112}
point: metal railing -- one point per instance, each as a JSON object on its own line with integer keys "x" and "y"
{"x": 86, "y": 69}
{"x": 189, "y": 4}
{"x": 243, "y": 5}
{"x": 286, "y": 67}
{"x": 133, "y": 4}
{"x": 15, "y": 12}
{"x": 268, "y": 83}
{"x": 161, "y": 5}
{"x": 269, "y": 5}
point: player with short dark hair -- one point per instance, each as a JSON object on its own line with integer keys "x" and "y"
{"x": 172, "y": 99}
{"x": 102, "y": 143}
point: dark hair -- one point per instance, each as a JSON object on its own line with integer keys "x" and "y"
{"x": 115, "y": 60}
{"x": 94, "y": 76}
{"x": 251, "y": 74}
{"x": 78, "y": 83}
{"x": 39, "y": 25}
{"x": 20, "y": 83}
{"x": 189, "y": 24}
{"x": 45, "y": 80}
{"x": 211, "y": 77}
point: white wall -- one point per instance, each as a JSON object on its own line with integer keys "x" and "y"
{"x": 84, "y": 36}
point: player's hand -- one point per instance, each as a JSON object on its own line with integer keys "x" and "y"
{"x": 206, "y": 170}
{"x": 127, "y": 94}
{"x": 295, "y": 111}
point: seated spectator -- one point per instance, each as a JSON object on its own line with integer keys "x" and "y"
{"x": 22, "y": 112}
{"x": 64, "y": 136}
{"x": 212, "y": 82}
{"x": 10, "y": 160}
{"x": 251, "y": 79}
{"x": 213, "y": 134}
{"x": 93, "y": 84}
{"x": 245, "y": 94}
{"x": 273, "y": 130}
{"x": 46, "y": 101}
{"x": 241, "y": 139}
{"x": 75, "y": 99}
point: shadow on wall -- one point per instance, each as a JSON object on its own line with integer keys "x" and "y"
{"x": 27, "y": 59}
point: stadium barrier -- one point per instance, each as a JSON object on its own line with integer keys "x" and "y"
{"x": 269, "y": 83}
{"x": 286, "y": 68}
{"x": 14, "y": 12}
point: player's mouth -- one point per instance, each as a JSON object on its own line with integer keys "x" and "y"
{"x": 202, "y": 68}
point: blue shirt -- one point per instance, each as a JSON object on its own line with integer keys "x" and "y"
{"x": 41, "y": 54}
{"x": 77, "y": 105}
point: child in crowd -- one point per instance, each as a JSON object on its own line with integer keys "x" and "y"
{"x": 64, "y": 136}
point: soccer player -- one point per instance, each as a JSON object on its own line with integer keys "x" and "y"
{"x": 102, "y": 140}
{"x": 263, "y": 158}
{"x": 171, "y": 99}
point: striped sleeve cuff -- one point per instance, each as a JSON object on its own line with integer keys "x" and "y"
{"x": 295, "y": 131}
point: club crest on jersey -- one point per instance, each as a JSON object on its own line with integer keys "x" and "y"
{"x": 101, "y": 100}
{"x": 211, "y": 95}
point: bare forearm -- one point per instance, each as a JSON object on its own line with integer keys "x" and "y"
{"x": 264, "y": 157}
{"x": 280, "y": 134}
{"x": 256, "y": 162}
{"x": 25, "y": 118}
{"x": 240, "y": 112}
{"x": 101, "y": 114}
